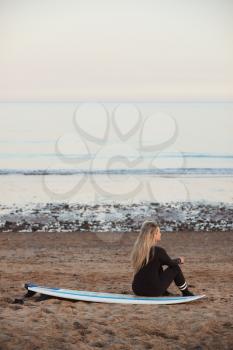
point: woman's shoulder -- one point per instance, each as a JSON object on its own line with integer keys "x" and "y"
{"x": 157, "y": 247}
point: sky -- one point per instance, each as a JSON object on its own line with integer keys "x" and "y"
{"x": 126, "y": 50}
{"x": 172, "y": 58}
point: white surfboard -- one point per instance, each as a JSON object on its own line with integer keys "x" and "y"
{"x": 108, "y": 297}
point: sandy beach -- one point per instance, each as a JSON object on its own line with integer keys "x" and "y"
{"x": 100, "y": 262}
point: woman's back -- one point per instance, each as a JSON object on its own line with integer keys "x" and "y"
{"x": 145, "y": 279}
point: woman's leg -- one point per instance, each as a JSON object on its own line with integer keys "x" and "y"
{"x": 166, "y": 277}
{"x": 172, "y": 273}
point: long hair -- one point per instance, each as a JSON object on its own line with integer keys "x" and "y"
{"x": 141, "y": 250}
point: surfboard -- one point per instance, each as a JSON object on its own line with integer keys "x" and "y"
{"x": 100, "y": 297}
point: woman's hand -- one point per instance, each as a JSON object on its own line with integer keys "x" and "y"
{"x": 181, "y": 259}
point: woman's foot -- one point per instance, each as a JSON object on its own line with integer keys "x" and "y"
{"x": 187, "y": 293}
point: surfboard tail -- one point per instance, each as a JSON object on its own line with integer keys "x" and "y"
{"x": 29, "y": 285}
{"x": 29, "y": 293}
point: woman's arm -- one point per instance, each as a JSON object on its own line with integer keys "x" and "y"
{"x": 166, "y": 260}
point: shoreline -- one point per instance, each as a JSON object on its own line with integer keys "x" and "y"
{"x": 116, "y": 217}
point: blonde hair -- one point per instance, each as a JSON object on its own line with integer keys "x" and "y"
{"x": 145, "y": 240}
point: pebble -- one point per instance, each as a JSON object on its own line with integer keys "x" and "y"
{"x": 117, "y": 217}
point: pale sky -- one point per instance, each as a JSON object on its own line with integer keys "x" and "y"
{"x": 125, "y": 50}
{"x": 33, "y": 128}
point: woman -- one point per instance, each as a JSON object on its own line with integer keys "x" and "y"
{"x": 147, "y": 258}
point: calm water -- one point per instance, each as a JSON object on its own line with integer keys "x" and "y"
{"x": 47, "y": 155}
{"x": 165, "y": 177}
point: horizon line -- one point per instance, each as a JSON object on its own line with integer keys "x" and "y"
{"x": 117, "y": 101}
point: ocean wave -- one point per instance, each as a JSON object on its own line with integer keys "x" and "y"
{"x": 144, "y": 171}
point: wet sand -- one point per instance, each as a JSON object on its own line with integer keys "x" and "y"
{"x": 100, "y": 262}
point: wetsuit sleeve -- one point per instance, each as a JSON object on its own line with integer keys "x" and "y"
{"x": 166, "y": 260}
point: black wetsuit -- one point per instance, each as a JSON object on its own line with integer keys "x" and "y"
{"x": 151, "y": 279}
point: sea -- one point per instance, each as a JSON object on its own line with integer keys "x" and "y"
{"x": 205, "y": 177}
{"x": 55, "y": 176}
